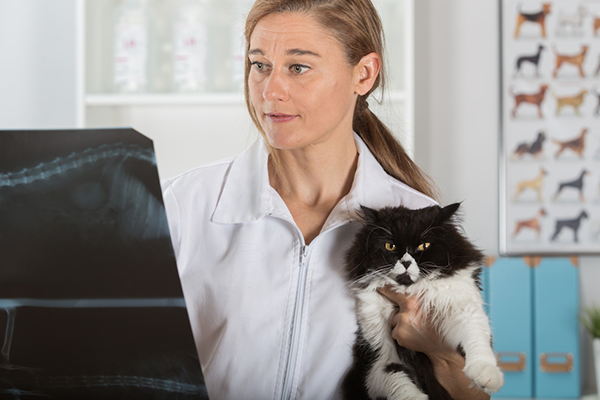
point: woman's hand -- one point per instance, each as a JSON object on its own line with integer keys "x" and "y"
{"x": 415, "y": 331}
{"x": 412, "y": 329}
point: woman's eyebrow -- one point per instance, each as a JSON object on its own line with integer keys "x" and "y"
{"x": 300, "y": 52}
{"x": 291, "y": 52}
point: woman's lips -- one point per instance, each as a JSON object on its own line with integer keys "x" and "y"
{"x": 280, "y": 118}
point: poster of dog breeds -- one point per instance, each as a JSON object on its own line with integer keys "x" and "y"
{"x": 550, "y": 127}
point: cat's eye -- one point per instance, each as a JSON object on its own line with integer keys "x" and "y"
{"x": 423, "y": 246}
{"x": 390, "y": 246}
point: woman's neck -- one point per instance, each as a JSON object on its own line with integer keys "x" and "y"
{"x": 312, "y": 180}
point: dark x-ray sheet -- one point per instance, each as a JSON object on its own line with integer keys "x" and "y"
{"x": 91, "y": 305}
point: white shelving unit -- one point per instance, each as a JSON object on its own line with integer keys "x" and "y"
{"x": 166, "y": 99}
{"x": 193, "y": 129}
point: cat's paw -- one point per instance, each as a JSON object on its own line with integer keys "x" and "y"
{"x": 404, "y": 391}
{"x": 486, "y": 376}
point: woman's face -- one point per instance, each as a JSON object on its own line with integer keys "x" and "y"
{"x": 300, "y": 85}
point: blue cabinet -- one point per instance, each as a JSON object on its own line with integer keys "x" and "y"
{"x": 533, "y": 305}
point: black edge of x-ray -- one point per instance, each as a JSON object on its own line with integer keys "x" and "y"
{"x": 91, "y": 305}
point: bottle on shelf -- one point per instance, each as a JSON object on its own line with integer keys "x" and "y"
{"x": 190, "y": 46}
{"x": 131, "y": 58}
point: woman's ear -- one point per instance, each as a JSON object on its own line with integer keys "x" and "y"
{"x": 366, "y": 72}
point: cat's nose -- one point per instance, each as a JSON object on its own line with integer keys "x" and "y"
{"x": 406, "y": 264}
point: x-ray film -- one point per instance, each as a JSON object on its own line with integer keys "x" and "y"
{"x": 91, "y": 305}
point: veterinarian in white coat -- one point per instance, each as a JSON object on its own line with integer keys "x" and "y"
{"x": 260, "y": 239}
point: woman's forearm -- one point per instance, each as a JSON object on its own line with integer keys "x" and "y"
{"x": 448, "y": 368}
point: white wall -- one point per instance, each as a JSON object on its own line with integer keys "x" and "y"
{"x": 37, "y": 67}
{"x": 457, "y": 103}
{"x": 184, "y": 136}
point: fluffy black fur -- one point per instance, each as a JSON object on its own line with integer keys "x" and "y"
{"x": 449, "y": 252}
{"x": 409, "y": 228}
{"x": 416, "y": 365}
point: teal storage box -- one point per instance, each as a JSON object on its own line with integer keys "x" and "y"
{"x": 533, "y": 308}
{"x": 556, "y": 333}
{"x": 509, "y": 285}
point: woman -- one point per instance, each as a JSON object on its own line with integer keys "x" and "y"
{"x": 260, "y": 239}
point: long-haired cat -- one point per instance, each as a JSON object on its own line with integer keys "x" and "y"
{"x": 421, "y": 253}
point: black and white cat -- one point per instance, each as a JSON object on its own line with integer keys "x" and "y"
{"x": 420, "y": 253}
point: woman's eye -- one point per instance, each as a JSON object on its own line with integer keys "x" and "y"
{"x": 423, "y": 246}
{"x": 390, "y": 246}
{"x": 298, "y": 69}
{"x": 259, "y": 66}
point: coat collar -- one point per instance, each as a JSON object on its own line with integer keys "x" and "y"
{"x": 247, "y": 195}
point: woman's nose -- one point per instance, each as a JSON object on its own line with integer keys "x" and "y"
{"x": 276, "y": 87}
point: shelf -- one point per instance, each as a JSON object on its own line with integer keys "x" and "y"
{"x": 175, "y": 99}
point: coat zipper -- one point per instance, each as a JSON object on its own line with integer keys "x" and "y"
{"x": 290, "y": 369}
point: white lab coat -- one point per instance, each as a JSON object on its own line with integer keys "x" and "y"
{"x": 271, "y": 317}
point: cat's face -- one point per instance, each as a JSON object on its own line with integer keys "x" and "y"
{"x": 404, "y": 246}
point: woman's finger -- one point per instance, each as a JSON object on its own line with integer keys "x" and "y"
{"x": 397, "y": 298}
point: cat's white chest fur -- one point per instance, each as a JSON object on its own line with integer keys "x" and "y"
{"x": 456, "y": 308}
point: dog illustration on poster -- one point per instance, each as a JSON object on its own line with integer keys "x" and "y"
{"x": 534, "y": 148}
{"x": 571, "y": 101}
{"x": 538, "y": 18}
{"x": 572, "y": 22}
{"x": 574, "y": 224}
{"x": 533, "y": 59}
{"x": 535, "y": 99}
{"x": 596, "y": 25}
{"x": 533, "y": 224}
{"x": 576, "y": 184}
{"x": 575, "y": 60}
{"x": 576, "y": 145}
{"x": 536, "y": 184}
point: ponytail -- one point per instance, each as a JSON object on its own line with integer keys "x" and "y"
{"x": 388, "y": 151}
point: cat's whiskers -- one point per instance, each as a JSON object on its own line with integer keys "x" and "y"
{"x": 448, "y": 265}
{"x": 356, "y": 267}
{"x": 449, "y": 262}
{"x": 429, "y": 229}
{"x": 376, "y": 227}
{"x": 385, "y": 265}
{"x": 430, "y": 264}
{"x": 426, "y": 230}
{"x": 367, "y": 279}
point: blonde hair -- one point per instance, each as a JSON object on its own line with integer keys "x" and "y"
{"x": 357, "y": 26}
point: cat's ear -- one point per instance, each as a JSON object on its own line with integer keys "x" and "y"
{"x": 447, "y": 212}
{"x": 368, "y": 215}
